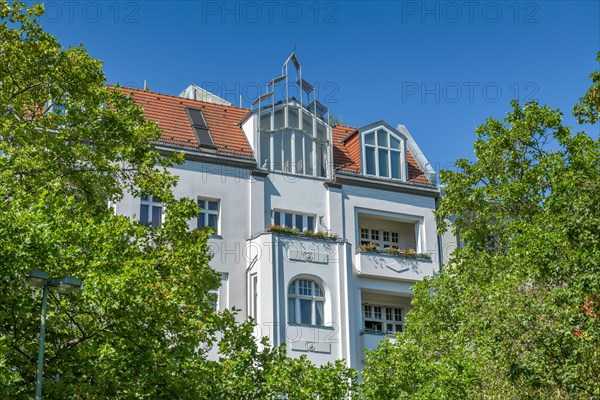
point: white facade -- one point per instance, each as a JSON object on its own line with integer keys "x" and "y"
{"x": 326, "y": 298}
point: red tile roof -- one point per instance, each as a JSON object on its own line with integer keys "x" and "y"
{"x": 170, "y": 114}
{"x": 346, "y": 149}
{"x": 223, "y": 122}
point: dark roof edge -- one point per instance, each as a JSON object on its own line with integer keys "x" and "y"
{"x": 211, "y": 158}
{"x": 401, "y": 187}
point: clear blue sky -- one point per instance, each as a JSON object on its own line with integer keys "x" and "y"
{"x": 440, "y": 68}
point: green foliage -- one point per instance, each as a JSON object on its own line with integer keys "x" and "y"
{"x": 69, "y": 145}
{"x": 516, "y": 313}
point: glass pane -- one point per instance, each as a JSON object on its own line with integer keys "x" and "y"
{"x": 374, "y": 234}
{"x": 278, "y": 119}
{"x": 395, "y": 155}
{"x": 289, "y": 221}
{"x": 373, "y": 326}
{"x": 377, "y": 312}
{"x": 304, "y": 287}
{"x": 310, "y": 223}
{"x": 306, "y": 312}
{"x": 383, "y": 162}
{"x": 319, "y": 312}
{"x": 309, "y": 162}
{"x": 287, "y": 151}
{"x": 398, "y": 314}
{"x": 212, "y": 221}
{"x": 265, "y": 149}
{"x": 318, "y": 291}
{"x": 293, "y": 118}
{"x": 388, "y": 314}
{"x": 265, "y": 121}
{"x": 308, "y": 123}
{"x": 382, "y": 138}
{"x": 394, "y": 143}
{"x": 299, "y": 224}
{"x": 370, "y": 160}
{"x": 213, "y": 205}
{"x": 320, "y": 131}
{"x": 292, "y": 288}
{"x": 144, "y": 214}
{"x": 320, "y": 159}
{"x": 370, "y": 138}
{"x": 201, "y": 220}
{"x": 368, "y": 312}
{"x": 390, "y": 328}
{"x": 277, "y": 218}
{"x": 156, "y": 216}
{"x": 277, "y": 151}
{"x": 299, "y": 154}
{"x": 145, "y": 197}
{"x": 202, "y": 204}
{"x": 291, "y": 311}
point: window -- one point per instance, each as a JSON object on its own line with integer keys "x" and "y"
{"x": 151, "y": 210}
{"x": 382, "y": 154}
{"x": 254, "y": 296}
{"x": 302, "y": 222}
{"x": 209, "y": 215}
{"x": 213, "y": 299}
{"x": 382, "y": 319}
{"x": 288, "y": 147}
{"x": 306, "y": 303}
{"x": 200, "y": 127}
{"x": 381, "y": 238}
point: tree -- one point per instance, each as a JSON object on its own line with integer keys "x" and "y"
{"x": 69, "y": 147}
{"x": 516, "y": 313}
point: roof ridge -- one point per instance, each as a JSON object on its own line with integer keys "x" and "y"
{"x": 181, "y": 98}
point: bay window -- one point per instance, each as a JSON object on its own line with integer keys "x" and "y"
{"x": 293, "y": 140}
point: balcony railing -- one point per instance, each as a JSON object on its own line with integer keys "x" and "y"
{"x": 393, "y": 266}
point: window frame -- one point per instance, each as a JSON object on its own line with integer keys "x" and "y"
{"x": 295, "y": 215}
{"x": 205, "y": 212}
{"x": 151, "y": 202}
{"x": 388, "y": 148}
{"x": 314, "y": 162}
{"x": 397, "y": 325}
{"x": 296, "y": 298}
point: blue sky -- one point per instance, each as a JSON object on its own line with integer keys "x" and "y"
{"x": 440, "y": 68}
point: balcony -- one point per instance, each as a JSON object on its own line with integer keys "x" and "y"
{"x": 370, "y": 341}
{"x": 388, "y": 266}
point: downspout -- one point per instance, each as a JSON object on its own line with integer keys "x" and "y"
{"x": 439, "y": 237}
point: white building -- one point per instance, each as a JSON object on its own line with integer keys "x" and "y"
{"x": 281, "y": 163}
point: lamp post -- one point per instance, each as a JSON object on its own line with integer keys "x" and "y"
{"x": 65, "y": 285}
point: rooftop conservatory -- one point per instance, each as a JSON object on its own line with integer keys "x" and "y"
{"x": 293, "y": 133}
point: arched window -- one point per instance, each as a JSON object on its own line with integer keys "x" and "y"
{"x": 306, "y": 302}
{"x": 383, "y": 154}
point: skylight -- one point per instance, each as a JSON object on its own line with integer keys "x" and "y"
{"x": 200, "y": 128}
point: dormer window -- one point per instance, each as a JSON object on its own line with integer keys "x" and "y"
{"x": 383, "y": 154}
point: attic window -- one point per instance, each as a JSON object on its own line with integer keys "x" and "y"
{"x": 200, "y": 128}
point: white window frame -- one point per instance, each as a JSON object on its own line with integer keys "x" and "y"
{"x": 389, "y": 149}
{"x": 294, "y": 297}
{"x": 296, "y": 136}
{"x": 205, "y": 212}
{"x": 151, "y": 202}
{"x": 383, "y": 318}
{"x": 294, "y": 216}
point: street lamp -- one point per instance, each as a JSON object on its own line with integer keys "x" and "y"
{"x": 65, "y": 285}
